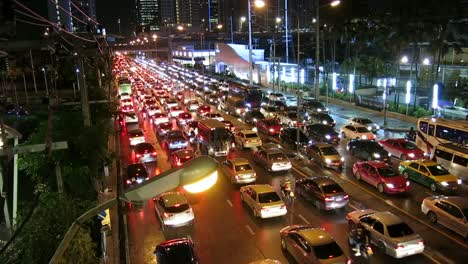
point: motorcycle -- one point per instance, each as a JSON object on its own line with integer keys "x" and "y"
{"x": 362, "y": 248}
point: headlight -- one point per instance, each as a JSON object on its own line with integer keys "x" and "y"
{"x": 377, "y": 127}
{"x": 407, "y": 183}
{"x": 342, "y": 158}
{"x": 327, "y": 160}
{"x": 459, "y": 181}
{"x": 364, "y": 137}
{"x": 411, "y": 155}
{"x": 139, "y": 180}
{"x": 211, "y": 149}
{"x": 389, "y": 154}
{"x": 238, "y": 111}
{"x": 369, "y": 128}
{"x": 324, "y": 122}
{"x": 389, "y": 185}
{"x": 254, "y": 120}
{"x": 327, "y": 137}
{"x": 248, "y": 105}
{"x": 376, "y": 155}
{"x": 319, "y": 110}
{"x": 444, "y": 184}
{"x": 339, "y": 135}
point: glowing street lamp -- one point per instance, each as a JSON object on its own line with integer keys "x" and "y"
{"x": 278, "y": 20}
{"x": 426, "y": 61}
{"x": 219, "y": 26}
{"x": 259, "y": 4}
{"x": 408, "y": 95}
{"x": 180, "y": 28}
{"x": 435, "y": 97}
{"x": 404, "y": 59}
{"x": 335, "y": 3}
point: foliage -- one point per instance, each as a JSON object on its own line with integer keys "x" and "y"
{"x": 80, "y": 250}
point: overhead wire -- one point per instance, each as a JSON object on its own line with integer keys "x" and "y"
{"x": 64, "y": 10}
{"x": 89, "y": 18}
{"x": 30, "y": 23}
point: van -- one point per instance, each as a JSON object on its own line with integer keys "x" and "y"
{"x": 235, "y": 106}
{"x": 454, "y": 157}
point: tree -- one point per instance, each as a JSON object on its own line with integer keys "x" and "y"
{"x": 81, "y": 249}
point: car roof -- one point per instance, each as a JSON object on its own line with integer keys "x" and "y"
{"x": 425, "y": 162}
{"x": 173, "y": 198}
{"x": 459, "y": 201}
{"x": 273, "y": 150}
{"x": 377, "y": 163}
{"x": 316, "y": 236}
{"x": 387, "y": 218}
{"x": 248, "y": 131}
{"x": 322, "y": 180}
{"x": 262, "y": 188}
{"x": 183, "y": 153}
{"x": 239, "y": 161}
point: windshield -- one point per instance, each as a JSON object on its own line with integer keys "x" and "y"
{"x": 135, "y": 134}
{"x": 271, "y": 123}
{"x": 181, "y": 253}
{"x": 437, "y": 170}
{"x": 332, "y": 188}
{"x": 399, "y": 230}
{"x": 252, "y": 135}
{"x": 269, "y": 197}
{"x": 409, "y": 145}
{"x": 366, "y": 121}
{"x": 328, "y": 251}
{"x": 243, "y": 167}
{"x": 329, "y": 151}
{"x": 362, "y": 129}
{"x": 176, "y": 133}
{"x": 292, "y": 115}
{"x": 176, "y": 208}
{"x": 387, "y": 172}
{"x": 277, "y": 156}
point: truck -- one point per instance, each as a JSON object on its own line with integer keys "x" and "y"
{"x": 125, "y": 88}
{"x": 213, "y": 137}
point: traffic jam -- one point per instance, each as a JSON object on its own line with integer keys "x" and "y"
{"x": 388, "y": 199}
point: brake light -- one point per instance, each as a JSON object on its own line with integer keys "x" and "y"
{"x": 154, "y": 153}
{"x": 283, "y": 206}
{"x": 421, "y": 243}
{"x": 129, "y": 182}
{"x": 138, "y": 155}
{"x": 348, "y": 261}
{"x": 346, "y": 196}
{"x": 397, "y": 247}
{"x": 329, "y": 199}
{"x": 167, "y": 215}
{"x": 265, "y": 209}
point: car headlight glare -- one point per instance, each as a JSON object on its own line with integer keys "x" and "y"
{"x": 328, "y": 160}
{"x": 369, "y": 128}
{"x": 342, "y": 158}
{"x": 390, "y": 185}
{"x": 407, "y": 183}
{"x": 376, "y": 155}
{"x": 254, "y": 120}
{"x": 411, "y": 155}
{"x": 364, "y": 137}
{"x": 377, "y": 127}
{"x": 444, "y": 183}
{"x": 319, "y": 110}
{"x": 324, "y": 122}
{"x": 327, "y": 137}
{"x": 459, "y": 181}
{"x": 248, "y": 105}
{"x": 389, "y": 154}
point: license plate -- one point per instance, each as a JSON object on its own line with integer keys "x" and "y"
{"x": 339, "y": 199}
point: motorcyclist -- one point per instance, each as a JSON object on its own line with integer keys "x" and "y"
{"x": 412, "y": 134}
{"x": 286, "y": 187}
{"x": 360, "y": 238}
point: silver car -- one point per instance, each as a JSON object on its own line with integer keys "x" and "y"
{"x": 388, "y": 232}
{"x": 272, "y": 159}
{"x": 451, "y": 212}
{"x": 239, "y": 171}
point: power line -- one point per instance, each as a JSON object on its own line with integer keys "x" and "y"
{"x": 31, "y": 23}
{"x": 69, "y": 13}
{"x": 89, "y": 18}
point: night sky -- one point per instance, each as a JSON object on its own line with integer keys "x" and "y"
{"x": 108, "y": 11}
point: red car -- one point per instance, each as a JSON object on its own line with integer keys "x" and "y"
{"x": 269, "y": 126}
{"x": 229, "y": 125}
{"x": 381, "y": 175}
{"x": 402, "y": 148}
{"x": 204, "y": 110}
{"x": 184, "y": 118}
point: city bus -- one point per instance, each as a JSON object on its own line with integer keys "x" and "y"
{"x": 434, "y": 131}
{"x": 453, "y": 157}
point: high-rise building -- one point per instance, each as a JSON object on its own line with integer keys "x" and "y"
{"x": 84, "y": 15}
{"x": 148, "y": 15}
{"x": 59, "y": 13}
{"x": 168, "y": 13}
{"x": 188, "y": 13}
{"x": 215, "y": 13}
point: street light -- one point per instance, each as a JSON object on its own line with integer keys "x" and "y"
{"x": 155, "y": 37}
{"x": 260, "y": 4}
{"x": 404, "y": 59}
{"x": 317, "y": 44}
{"x": 180, "y": 28}
{"x": 435, "y": 97}
{"x": 242, "y": 20}
{"x": 219, "y": 26}
{"x": 426, "y": 61}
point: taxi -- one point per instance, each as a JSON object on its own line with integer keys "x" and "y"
{"x": 431, "y": 174}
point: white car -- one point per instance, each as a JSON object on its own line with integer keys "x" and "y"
{"x": 387, "y": 231}
{"x": 356, "y": 132}
{"x": 173, "y": 209}
{"x": 175, "y": 111}
{"x": 136, "y": 136}
{"x": 371, "y": 126}
{"x": 171, "y": 103}
{"x": 288, "y": 119}
{"x": 214, "y": 116}
{"x": 247, "y": 139}
{"x": 152, "y": 110}
{"x": 291, "y": 101}
{"x": 192, "y": 105}
{"x": 269, "y": 111}
{"x": 239, "y": 171}
{"x": 449, "y": 211}
{"x": 263, "y": 200}
{"x": 160, "y": 118}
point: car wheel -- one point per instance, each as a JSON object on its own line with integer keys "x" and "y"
{"x": 403, "y": 157}
{"x": 406, "y": 175}
{"x": 380, "y": 188}
{"x": 432, "y": 217}
{"x": 284, "y": 247}
{"x": 433, "y": 187}
{"x": 358, "y": 176}
{"x": 343, "y": 135}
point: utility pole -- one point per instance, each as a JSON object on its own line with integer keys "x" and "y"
{"x": 33, "y": 71}
{"x": 317, "y": 51}
{"x": 298, "y": 136}
{"x": 84, "y": 97}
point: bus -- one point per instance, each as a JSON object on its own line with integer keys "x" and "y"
{"x": 433, "y": 131}
{"x": 213, "y": 137}
{"x": 252, "y": 95}
{"x": 453, "y": 157}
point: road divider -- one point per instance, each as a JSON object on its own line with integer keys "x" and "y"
{"x": 249, "y": 229}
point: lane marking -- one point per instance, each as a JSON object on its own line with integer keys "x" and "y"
{"x": 352, "y": 206}
{"x": 304, "y": 219}
{"x": 391, "y": 205}
{"x": 427, "y": 255}
{"x": 250, "y": 230}
{"x": 229, "y": 203}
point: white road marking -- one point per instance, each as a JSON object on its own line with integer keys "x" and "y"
{"x": 250, "y": 230}
{"x": 354, "y": 207}
{"x": 304, "y": 219}
{"x": 388, "y": 202}
{"x": 229, "y": 202}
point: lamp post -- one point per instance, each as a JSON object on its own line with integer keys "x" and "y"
{"x": 242, "y": 20}
{"x": 77, "y": 71}
{"x": 258, "y": 3}
{"x": 384, "y": 95}
{"x": 45, "y": 80}
{"x": 155, "y": 37}
{"x": 317, "y": 43}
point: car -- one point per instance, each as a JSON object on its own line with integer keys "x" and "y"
{"x": 252, "y": 117}
{"x": 171, "y": 102}
{"x": 431, "y": 174}
{"x": 162, "y": 99}
{"x": 356, "y": 132}
{"x": 288, "y": 119}
{"x": 247, "y": 139}
{"x": 321, "y": 133}
{"x": 192, "y": 105}
{"x": 136, "y": 136}
{"x": 313, "y": 105}
{"x": 212, "y": 99}
{"x": 179, "y": 157}
{"x": 371, "y": 126}
{"x": 277, "y": 97}
{"x": 214, "y": 116}
{"x": 388, "y": 232}
{"x": 239, "y": 171}
{"x": 162, "y": 128}
{"x": 382, "y": 176}
{"x": 291, "y": 101}
{"x": 269, "y": 126}
{"x": 173, "y": 209}
{"x": 269, "y": 111}
{"x": 278, "y": 104}
{"x": 180, "y": 250}
{"x": 321, "y": 118}
{"x": 272, "y": 159}
{"x": 323, "y": 192}
{"x": 152, "y": 110}
{"x": 449, "y": 211}
{"x": 203, "y": 110}
{"x": 160, "y": 118}
{"x": 127, "y": 108}
{"x": 190, "y": 129}
{"x": 126, "y": 102}
{"x": 229, "y": 125}
{"x": 145, "y": 152}
{"x": 402, "y": 148}
{"x": 136, "y": 174}
{"x": 179, "y": 95}
{"x": 325, "y": 155}
{"x": 309, "y": 244}
{"x": 368, "y": 150}
{"x": 175, "y": 111}
{"x": 184, "y": 118}
{"x": 175, "y": 139}
{"x": 263, "y": 200}
{"x": 289, "y": 136}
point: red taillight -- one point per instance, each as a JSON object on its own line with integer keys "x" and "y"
{"x": 283, "y": 206}
{"x": 399, "y": 247}
{"x": 421, "y": 243}
{"x": 154, "y": 153}
{"x": 138, "y": 155}
{"x": 167, "y": 215}
{"x": 147, "y": 178}
{"x": 346, "y": 196}
{"x": 129, "y": 182}
{"x": 348, "y": 261}
{"x": 264, "y": 209}
{"x": 329, "y": 199}
{"x": 178, "y": 163}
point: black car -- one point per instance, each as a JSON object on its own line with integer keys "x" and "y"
{"x": 145, "y": 152}
{"x": 321, "y": 118}
{"x": 175, "y": 140}
{"x": 180, "y": 250}
{"x": 322, "y": 133}
{"x": 136, "y": 174}
{"x": 289, "y": 136}
{"x": 313, "y": 106}
{"x": 251, "y": 117}
{"x": 163, "y": 128}
{"x": 324, "y": 192}
{"x": 279, "y": 104}
{"x": 368, "y": 150}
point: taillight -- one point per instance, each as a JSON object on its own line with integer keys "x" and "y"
{"x": 421, "y": 243}
{"x": 329, "y": 199}
{"x": 283, "y": 206}
{"x": 167, "y": 215}
{"x": 154, "y": 153}
{"x": 348, "y": 261}
{"x": 147, "y": 178}
{"x": 129, "y": 182}
{"x": 346, "y": 196}
{"x": 397, "y": 247}
{"x": 138, "y": 155}
{"x": 264, "y": 209}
